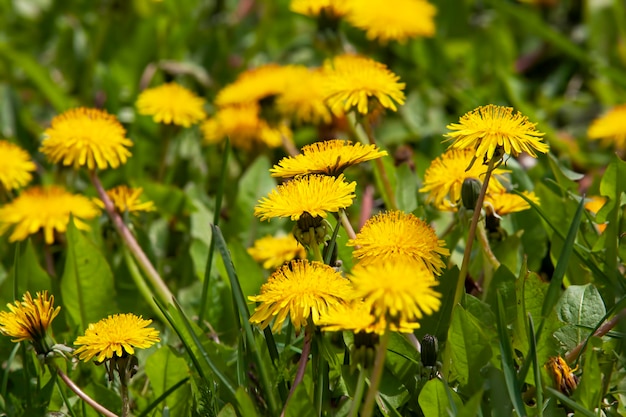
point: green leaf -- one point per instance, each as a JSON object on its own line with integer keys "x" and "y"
{"x": 580, "y": 307}
{"x": 406, "y": 190}
{"x": 589, "y": 390}
{"x": 437, "y": 324}
{"x": 27, "y": 273}
{"x": 165, "y": 369}
{"x": 246, "y": 406}
{"x": 503, "y": 283}
{"x": 228, "y": 411}
{"x": 87, "y": 286}
{"x": 435, "y": 399}
{"x": 570, "y": 403}
{"x": 471, "y": 407}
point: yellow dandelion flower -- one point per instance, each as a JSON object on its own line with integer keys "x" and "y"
{"x": 312, "y": 194}
{"x": 16, "y": 166}
{"x": 86, "y": 137}
{"x": 314, "y": 8}
{"x": 395, "y": 236}
{"x": 46, "y": 208}
{"x": 329, "y": 157}
{"x": 397, "y": 20}
{"x": 257, "y": 84}
{"x": 115, "y": 336}
{"x": 491, "y": 127}
{"x": 126, "y": 199}
{"x": 171, "y": 103}
{"x": 444, "y": 178}
{"x": 397, "y": 291}
{"x": 243, "y": 126}
{"x": 505, "y": 203}
{"x": 594, "y": 205}
{"x": 610, "y": 128}
{"x": 29, "y": 319}
{"x": 353, "y": 80}
{"x": 273, "y": 251}
{"x": 357, "y": 317}
{"x": 301, "y": 290}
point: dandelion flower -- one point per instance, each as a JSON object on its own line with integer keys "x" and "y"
{"x": 46, "y": 208}
{"x": 506, "y": 203}
{"x": 273, "y": 252}
{"x": 243, "y": 126}
{"x": 329, "y": 157}
{"x": 357, "y": 317}
{"x": 16, "y": 166}
{"x": 314, "y": 8}
{"x": 171, "y": 103}
{"x": 353, "y": 80}
{"x": 594, "y": 205}
{"x": 491, "y": 127}
{"x": 610, "y": 128}
{"x": 29, "y": 319}
{"x": 299, "y": 290}
{"x": 126, "y": 199}
{"x": 444, "y": 178}
{"x": 313, "y": 194}
{"x": 115, "y": 336}
{"x": 394, "y": 19}
{"x": 396, "y": 291}
{"x": 395, "y": 236}
{"x": 86, "y": 137}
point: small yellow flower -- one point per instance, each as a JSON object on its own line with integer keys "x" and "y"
{"x": 273, "y": 252}
{"x": 299, "y": 290}
{"x": 396, "y": 291}
{"x": 29, "y": 319}
{"x": 444, "y": 178}
{"x": 126, "y": 199}
{"x": 115, "y": 336}
{"x": 16, "y": 166}
{"x": 610, "y": 128}
{"x": 86, "y": 137}
{"x": 313, "y": 8}
{"x": 563, "y": 375}
{"x": 171, "y": 103}
{"x": 46, "y": 208}
{"x": 491, "y": 127}
{"x": 357, "y": 317}
{"x": 506, "y": 203}
{"x": 395, "y": 236}
{"x": 329, "y": 157}
{"x": 594, "y": 205}
{"x": 313, "y": 194}
{"x": 353, "y": 80}
{"x": 392, "y": 20}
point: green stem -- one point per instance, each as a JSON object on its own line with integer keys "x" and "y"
{"x": 315, "y": 249}
{"x": 377, "y": 374}
{"x": 481, "y": 235}
{"x": 358, "y": 393}
{"x": 140, "y": 282}
{"x": 380, "y": 167}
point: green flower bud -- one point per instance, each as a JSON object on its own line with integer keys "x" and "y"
{"x": 470, "y": 192}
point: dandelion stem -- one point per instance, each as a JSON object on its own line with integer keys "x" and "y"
{"x": 380, "y": 167}
{"x": 304, "y": 358}
{"x": 377, "y": 373}
{"x": 315, "y": 248}
{"x": 358, "y": 393}
{"x": 345, "y": 222}
{"x": 129, "y": 240}
{"x": 481, "y": 235}
{"x": 81, "y": 394}
{"x": 604, "y": 329}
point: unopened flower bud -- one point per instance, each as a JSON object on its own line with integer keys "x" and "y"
{"x": 470, "y": 192}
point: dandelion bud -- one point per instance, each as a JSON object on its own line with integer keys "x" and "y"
{"x": 470, "y": 192}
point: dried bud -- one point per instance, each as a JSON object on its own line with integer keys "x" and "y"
{"x": 430, "y": 347}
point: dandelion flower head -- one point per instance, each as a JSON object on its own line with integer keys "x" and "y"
{"x": 16, "y": 166}
{"x": 171, "y": 103}
{"x": 395, "y": 236}
{"x": 610, "y": 128}
{"x": 29, "y": 319}
{"x": 357, "y": 317}
{"x": 329, "y": 157}
{"x": 491, "y": 127}
{"x": 353, "y": 80}
{"x": 115, "y": 336}
{"x": 506, "y": 203}
{"x": 314, "y": 8}
{"x": 273, "y": 251}
{"x": 46, "y": 208}
{"x": 86, "y": 137}
{"x": 313, "y": 194}
{"x": 126, "y": 199}
{"x": 300, "y": 290}
{"x": 397, "y": 20}
{"x": 444, "y": 178}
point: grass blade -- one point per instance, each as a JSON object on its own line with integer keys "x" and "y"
{"x": 571, "y": 403}
{"x": 536, "y": 367}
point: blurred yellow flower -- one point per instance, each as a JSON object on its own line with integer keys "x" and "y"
{"x": 29, "y": 319}
{"x": 397, "y": 292}
{"x": 243, "y": 126}
{"x": 86, "y": 137}
{"x": 594, "y": 205}
{"x": 505, "y": 203}
{"x": 16, "y": 166}
{"x": 353, "y": 80}
{"x": 610, "y": 128}
{"x": 171, "y": 103}
{"x": 397, "y": 20}
{"x": 115, "y": 336}
{"x": 312, "y": 194}
{"x": 273, "y": 251}
{"x": 395, "y": 236}
{"x": 46, "y": 208}
{"x": 300, "y": 290}
{"x": 329, "y": 157}
{"x": 489, "y": 128}
{"x": 126, "y": 199}
{"x": 313, "y": 8}
{"x": 357, "y": 317}
{"x": 444, "y": 178}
